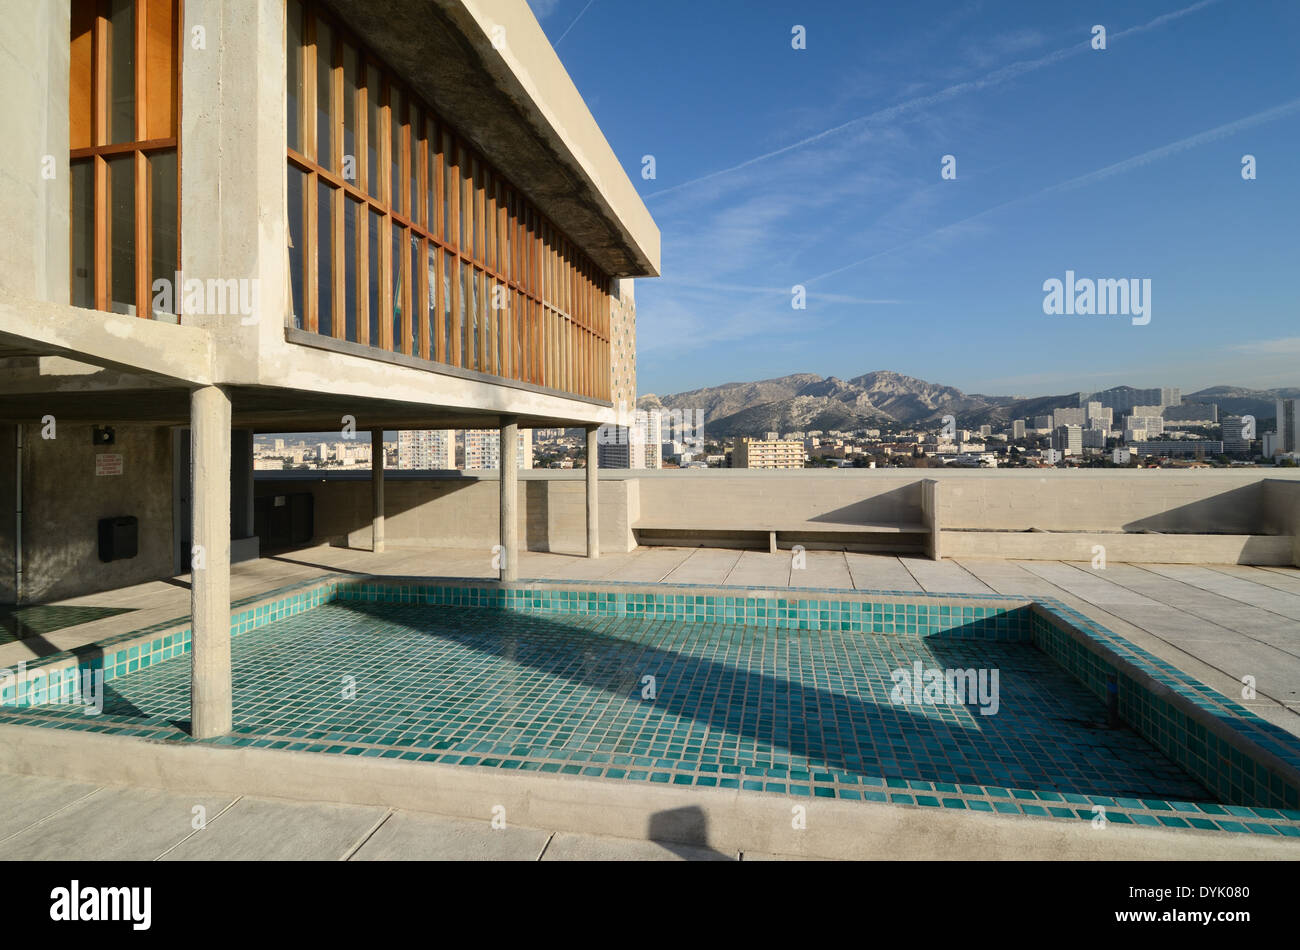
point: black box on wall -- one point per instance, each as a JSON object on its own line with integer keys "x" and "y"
{"x": 119, "y": 538}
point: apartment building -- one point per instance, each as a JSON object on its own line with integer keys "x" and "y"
{"x": 227, "y": 217}
{"x": 767, "y": 453}
{"x": 483, "y": 449}
{"x": 426, "y": 449}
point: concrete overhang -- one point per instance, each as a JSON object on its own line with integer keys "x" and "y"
{"x": 113, "y": 341}
{"x": 518, "y": 106}
{"x": 273, "y": 410}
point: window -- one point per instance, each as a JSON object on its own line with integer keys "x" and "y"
{"x": 413, "y": 243}
{"x": 124, "y": 146}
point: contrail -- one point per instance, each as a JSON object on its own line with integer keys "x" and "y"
{"x": 997, "y": 77}
{"x": 1146, "y": 158}
{"x": 575, "y": 21}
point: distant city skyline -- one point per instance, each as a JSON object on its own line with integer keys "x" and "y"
{"x": 822, "y": 167}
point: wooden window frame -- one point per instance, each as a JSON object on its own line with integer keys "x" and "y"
{"x": 140, "y": 148}
{"x": 551, "y": 332}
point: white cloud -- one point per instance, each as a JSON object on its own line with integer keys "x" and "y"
{"x": 543, "y": 8}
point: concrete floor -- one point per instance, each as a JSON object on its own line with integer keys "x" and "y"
{"x": 55, "y": 819}
{"x": 1217, "y": 622}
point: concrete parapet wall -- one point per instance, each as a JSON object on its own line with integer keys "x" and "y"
{"x": 462, "y": 511}
{"x": 1120, "y": 548}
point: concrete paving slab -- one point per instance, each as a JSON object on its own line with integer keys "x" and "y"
{"x": 407, "y": 836}
{"x": 760, "y": 569}
{"x": 880, "y": 572}
{"x": 261, "y": 830}
{"x": 27, "y": 799}
{"x": 704, "y": 566}
{"x": 651, "y": 565}
{"x": 822, "y": 569}
{"x": 114, "y": 824}
{"x": 566, "y": 846}
{"x": 944, "y": 577}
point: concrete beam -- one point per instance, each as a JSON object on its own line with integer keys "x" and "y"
{"x": 509, "y": 498}
{"x": 210, "y": 687}
{"x": 377, "y": 490}
{"x": 593, "y": 494}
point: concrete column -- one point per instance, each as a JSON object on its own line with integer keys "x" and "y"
{"x": 593, "y": 501}
{"x": 377, "y": 490}
{"x": 509, "y": 498}
{"x": 210, "y": 689}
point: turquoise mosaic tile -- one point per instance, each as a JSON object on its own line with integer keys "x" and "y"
{"x": 771, "y": 691}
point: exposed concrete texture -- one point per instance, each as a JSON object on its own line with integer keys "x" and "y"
{"x": 377, "y": 535}
{"x": 463, "y": 510}
{"x": 116, "y": 824}
{"x": 9, "y": 502}
{"x": 1282, "y": 512}
{"x": 508, "y": 495}
{"x": 725, "y": 821}
{"x": 34, "y": 190}
{"x": 593, "y": 495}
{"x": 210, "y": 686}
{"x": 409, "y": 836}
{"x": 254, "y": 830}
{"x": 64, "y": 499}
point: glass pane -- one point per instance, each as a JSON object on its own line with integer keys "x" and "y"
{"x": 395, "y": 263}
{"x": 376, "y": 220}
{"x": 83, "y": 233}
{"x": 396, "y": 118}
{"x": 324, "y": 93}
{"x": 467, "y": 358}
{"x": 162, "y": 68}
{"x": 478, "y": 211}
{"x": 374, "y": 90}
{"x": 297, "y": 182}
{"x": 431, "y": 314}
{"x": 417, "y": 305}
{"x": 351, "y": 112}
{"x": 489, "y": 220}
{"x": 121, "y": 71}
{"x": 297, "y": 245}
{"x": 448, "y": 186}
{"x": 163, "y": 198}
{"x": 350, "y": 212}
{"x": 433, "y": 219}
{"x": 466, "y": 206}
{"x": 448, "y": 288}
{"x": 325, "y": 260}
{"x": 81, "y": 74}
{"x": 416, "y": 135}
{"x": 487, "y": 317}
{"x": 293, "y": 76}
{"x": 121, "y": 236}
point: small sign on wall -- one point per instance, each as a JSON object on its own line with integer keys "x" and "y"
{"x": 108, "y": 463}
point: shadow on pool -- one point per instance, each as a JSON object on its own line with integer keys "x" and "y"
{"x": 1063, "y": 747}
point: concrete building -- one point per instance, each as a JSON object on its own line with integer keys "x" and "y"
{"x": 1123, "y": 399}
{"x": 1068, "y": 440}
{"x": 483, "y": 449}
{"x": 1069, "y": 417}
{"x": 1195, "y": 413}
{"x": 768, "y": 453}
{"x": 1235, "y": 441}
{"x": 390, "y": 215}
{"x": 1182, "y": 448}
{"x": 426, "y": 449}
{"x": 1288, "y": 425}
{"x": 1018, "y": 429}
{"x": 1044, "y": 423}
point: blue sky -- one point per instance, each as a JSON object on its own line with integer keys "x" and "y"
{"x": 821, "y": 167}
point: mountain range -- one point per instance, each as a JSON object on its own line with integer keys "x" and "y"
{"x": 804, "y": 401}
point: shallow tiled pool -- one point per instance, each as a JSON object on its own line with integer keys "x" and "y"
{"x": 710, "y": 694}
